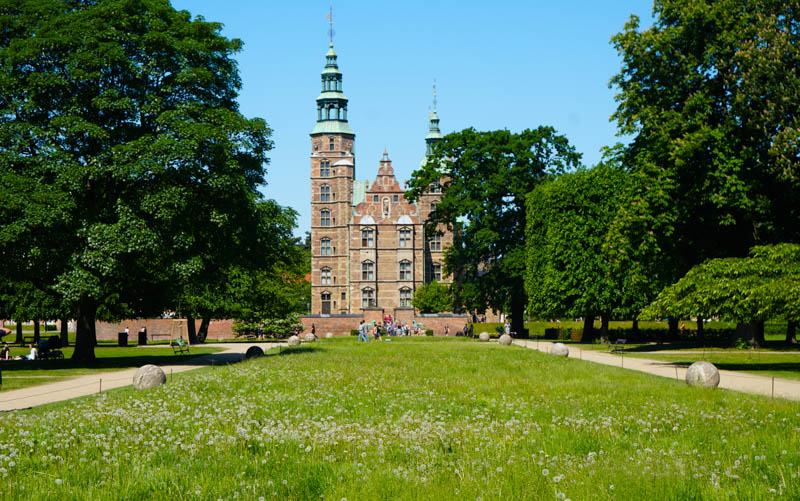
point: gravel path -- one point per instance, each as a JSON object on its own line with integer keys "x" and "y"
{"x": 80, "y": 386}
{"x": 730, "y": 380}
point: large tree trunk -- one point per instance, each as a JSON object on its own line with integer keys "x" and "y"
{"x": 19, "y": 339}
{"x": 672, "y": 333}
{"x": 37, "y": 331}
{"x": 588, "y": 329}
{"x": 753, "y": 332}
{"x": 192, "y": 330}
{"x": 202, "y": 334}
{"x": 635, "y": 326}
{"x": 64, "y": 332}
{"x": 518, "y": 315}
{"x": 604, "y": 326}
{"x": 85, "y": 334}
{"x": 791, "y": 330}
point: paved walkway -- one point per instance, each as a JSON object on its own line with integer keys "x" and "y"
{"x": 730, "y": 380}
{"x": 95, "y": 383}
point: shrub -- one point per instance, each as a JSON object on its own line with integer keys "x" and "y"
{"x": 429, "y": 332}
{"x": 354, "y": 332}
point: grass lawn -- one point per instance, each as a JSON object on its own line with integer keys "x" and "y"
{"x": 407, "y": 419}
{"x": 23, "y": 373}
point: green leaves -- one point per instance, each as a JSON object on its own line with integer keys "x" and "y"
{"x": 433, "y": 297}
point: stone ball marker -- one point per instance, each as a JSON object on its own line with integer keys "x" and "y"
{"x": 484, "y": 336}
{"x": 148, "y": 376}
{"x": 329, "y": 335}
{"x": 505, "y": 340}
{"x": 559, "y": 350}
{"x": 309, "y": 338}
{"x": 702, "y": 374}
{"x": 293, "y": 341}
{"x": 254, "y": 352}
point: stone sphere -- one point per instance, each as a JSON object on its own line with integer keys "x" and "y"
{"x": 148, "y": 376}
{"x": 505, "y": 340}
{"x": 254, "y": 352}
{"x": 702, "y": 374}
{"x": 484, "y": 336}
{"x": 329, "y": 335}
{"x": 293, "y": 340}
{"x": 559, "y": 350}
{"x": 309, "y": 338}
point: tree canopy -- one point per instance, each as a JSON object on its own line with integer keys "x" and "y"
{"x": 485, "y": 178}
{"x": 710, "y": 94}
{"x": 124, "y": 159}
{"x": 433, "y": 297}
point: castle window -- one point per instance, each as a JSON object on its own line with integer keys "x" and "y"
{"x": 367, "y": 238}
{"x": 325, "y": 247}
{"x": 331, "y": 143}
{"x": 368, "y": 298}
{"x": 326, "y": 303}
{"x": 435, "y": 187}
{"x": 436, "y": 271}
{"x": 367, "y": 270}
{"x": 344, "y": 297}
{"x": 325, "y": 276}
{"x": 405, "y": 270}
{"x": 435, "y": 241}
{"x": 324, "y": 193}
{"x": 396, "y": 198}
{"x": 405, "y": 297}
{"x": 324, "y": 217}
{"x": 404, "y": 239}
{"x": 325, "y": 168}
{"x": 375, "y": 198}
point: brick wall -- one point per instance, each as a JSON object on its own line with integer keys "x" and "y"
{"x": 218, "y": 329}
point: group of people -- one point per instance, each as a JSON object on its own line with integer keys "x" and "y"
{"x": 5, "y": 353}
{"x": 389, "y": 327}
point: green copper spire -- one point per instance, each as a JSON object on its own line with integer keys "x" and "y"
{"x": 434, "y": 134}
{"x": 331, "y": 104}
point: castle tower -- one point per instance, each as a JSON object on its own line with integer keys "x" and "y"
{"x": 435, "y": 243}
{"x": 332, "y": 175}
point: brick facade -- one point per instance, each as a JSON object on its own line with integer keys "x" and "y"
{"x": 368, "y": 246}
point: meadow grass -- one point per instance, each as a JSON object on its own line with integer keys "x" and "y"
{"x": 407, "y": 419}
{"x": 24, "y": 373}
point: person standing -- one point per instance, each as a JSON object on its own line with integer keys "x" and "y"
{"x": 507, "y": 327}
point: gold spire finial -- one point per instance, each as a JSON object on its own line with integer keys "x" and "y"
{"x": 329, "y": 16}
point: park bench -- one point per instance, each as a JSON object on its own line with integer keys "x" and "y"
{"x": 618, "y": 346}
{"x": 179, "y": 346}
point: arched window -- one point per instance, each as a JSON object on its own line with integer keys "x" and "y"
{"x": 404, "y": 237}
{"x": 326, "y": 303}
{"x": 324, "y": 217}
{"x": 325, "y": 247}
{"x": 325, "y": 193}
{"x": 325, "y": 168}
{"x": 368, "y": 298}
{"x": 405, "y": 297}
{"x": 367, "y": 237}
{"x": 405, "y": 270}
{"x": 325, "y": 276}
{"x": 367, "y": 270}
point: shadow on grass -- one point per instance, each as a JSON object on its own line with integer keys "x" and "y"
{"x": 727, "y": 366}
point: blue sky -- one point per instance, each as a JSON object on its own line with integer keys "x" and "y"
{"x": 498, "y": 65}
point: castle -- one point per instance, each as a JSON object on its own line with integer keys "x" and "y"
{"x": 369, "y": 250}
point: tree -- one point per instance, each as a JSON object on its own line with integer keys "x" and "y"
{"x": 123, "y": 157}
{"x": 568, "y": 270}
{"x": 710, "y": 94}
{"x": 433, "y": 297}
{"x": 749, "y": 290}
{"x": 485, "y": 177}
